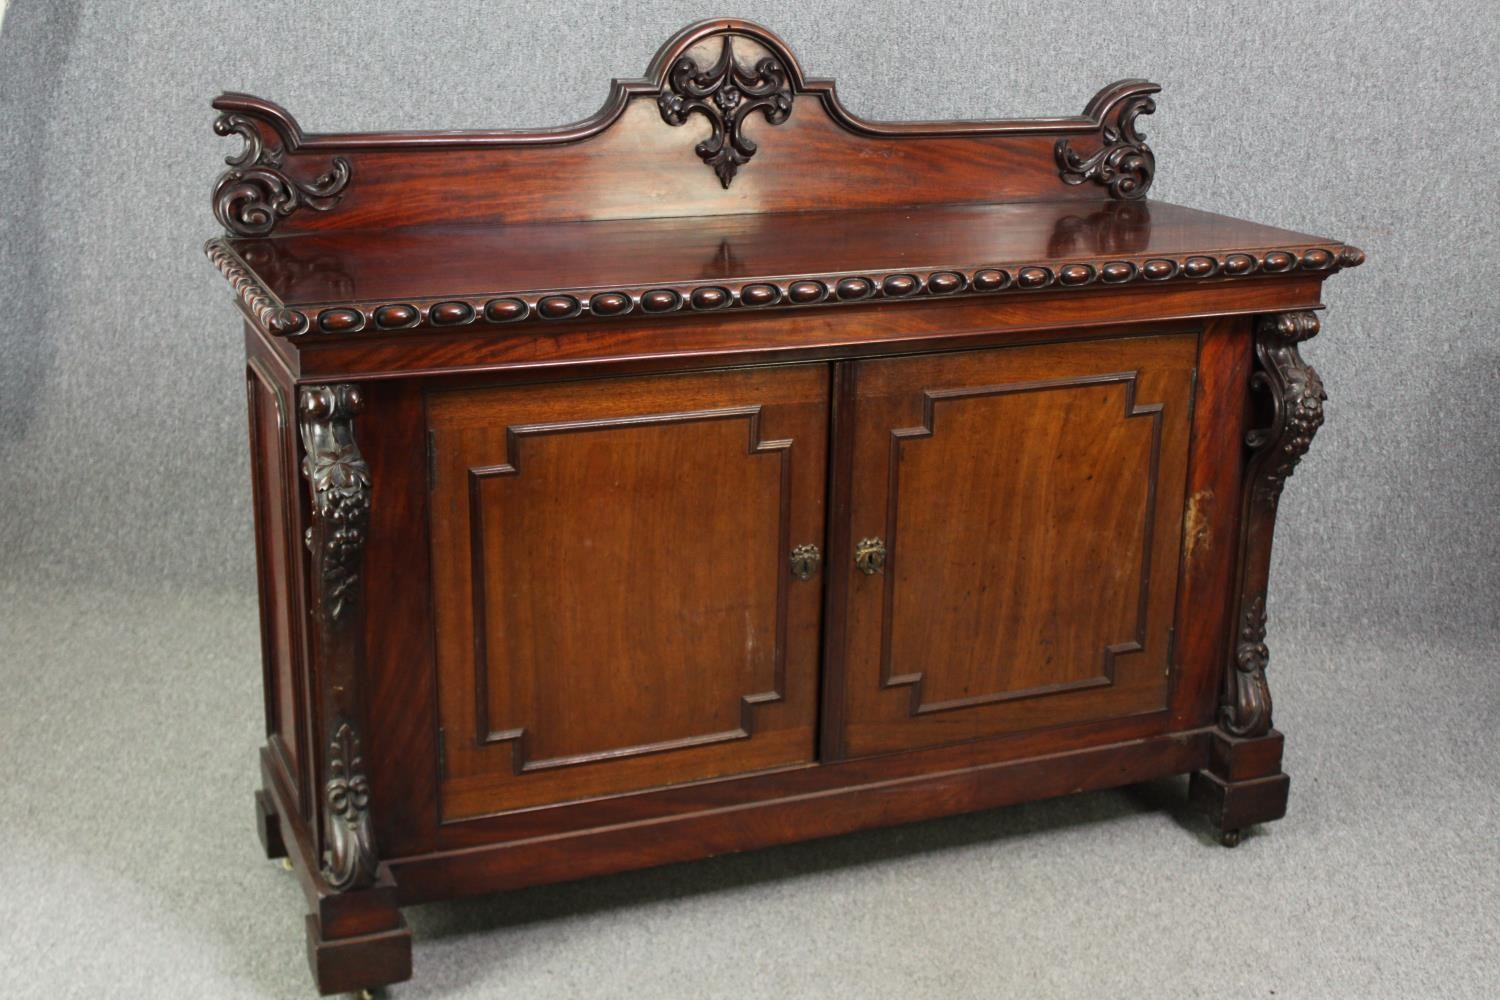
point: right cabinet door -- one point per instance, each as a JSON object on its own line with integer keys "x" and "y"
{"x": 1015, "y": 526}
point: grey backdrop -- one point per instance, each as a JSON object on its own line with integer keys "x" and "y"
{"x": 128, "y": 645}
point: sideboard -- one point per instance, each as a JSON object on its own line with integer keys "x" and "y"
{"x": 728, "y": 470}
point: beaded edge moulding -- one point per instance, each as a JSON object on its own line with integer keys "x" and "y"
{"x": 758, "y": 293}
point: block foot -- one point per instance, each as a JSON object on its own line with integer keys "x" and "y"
{"x": 268, "y": 826}
{"x": 1242, "y": 786}
{"x": 360, "y": 963}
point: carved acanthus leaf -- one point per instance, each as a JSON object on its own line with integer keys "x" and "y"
{"x": 726, "y": 94}
{"x": 349, "y": 858}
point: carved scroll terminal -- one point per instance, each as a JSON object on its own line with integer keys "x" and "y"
{"x": 1125, "y": 165}
{"x": 255, "y": 193}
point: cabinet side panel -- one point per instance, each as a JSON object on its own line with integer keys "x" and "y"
{"x": 1211, "y": 518}
{"x": 274, "y": 550}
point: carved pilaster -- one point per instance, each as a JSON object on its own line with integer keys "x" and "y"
{"x": 339, "y": 484}
{"x": 1294, "y": 397}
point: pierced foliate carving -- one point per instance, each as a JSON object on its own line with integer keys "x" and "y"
{"x": 254, "y": 193}
{"x": 1295, "y": 396}
{"x": 726, "y": 94}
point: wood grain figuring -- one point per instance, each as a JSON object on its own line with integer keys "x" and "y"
{"x": 402, "y": 705}
{"x": 611, "y": 465}
{"x": 624, "y": 549}
{"x": 1027, "y": 455}
{"x": 1031, "y": 502}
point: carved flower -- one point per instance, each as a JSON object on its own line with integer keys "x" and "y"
{"x": 727, "y": 99}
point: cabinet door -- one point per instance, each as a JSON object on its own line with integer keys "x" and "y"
{"x": 1029, "y": 504}
{"x": 613, "y": 599}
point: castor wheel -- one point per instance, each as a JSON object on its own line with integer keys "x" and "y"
{"x": 1229, "y": 838}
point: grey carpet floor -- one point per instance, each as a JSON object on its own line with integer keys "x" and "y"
{"x": 129, "y": 868}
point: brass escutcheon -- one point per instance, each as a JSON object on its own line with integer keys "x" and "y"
{"x": 869, "y": 556}
{"x": 805, "y": 559}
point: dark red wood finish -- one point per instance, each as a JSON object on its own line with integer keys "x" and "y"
{"x": 684, "y": 292}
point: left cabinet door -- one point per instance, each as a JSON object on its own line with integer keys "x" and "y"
{"x": 614, "y": 600}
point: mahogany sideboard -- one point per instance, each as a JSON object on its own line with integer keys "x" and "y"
{"x": 728, "y": 470}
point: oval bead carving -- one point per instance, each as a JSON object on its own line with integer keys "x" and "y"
{"x": 990, "y": 279}
{"x": 340, "y": 320}
{"x": 855, "y": 288}
{"x": 609, "y": 303}
{"x": 1159, "y": 269}
{"x": 759, "y": 294}
{"x": 396, "y": 316}
{"x": 1317, "y": 260}
{"x": 1075, "y": 274}
{"x": 1199, "y": 267}
{"x": 806, "y": 291}
{"x": 557, "y": 307}
{"x": 1034, "y": 277}
{"x": 944, "y": 282}
{"x": 451, "y": 313}
{"x": 710, "y": 297}
{"x": 1239, "y": 263}
{"x": 897, "y": 285}
{"x": 1117, "y": 271}
{"x": 660, "y": 300}
{"x": 287, "y": 322}
{"x": 1279, "y": 260}
{"x": 504, "y": 310}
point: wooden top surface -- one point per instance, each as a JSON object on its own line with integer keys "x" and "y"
{"x": 458, "y": 261}
{"x": 564, "y": 270}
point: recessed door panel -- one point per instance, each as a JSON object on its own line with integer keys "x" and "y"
{"x": 1019, "y": 515}
{"x": 615, "y": 603}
